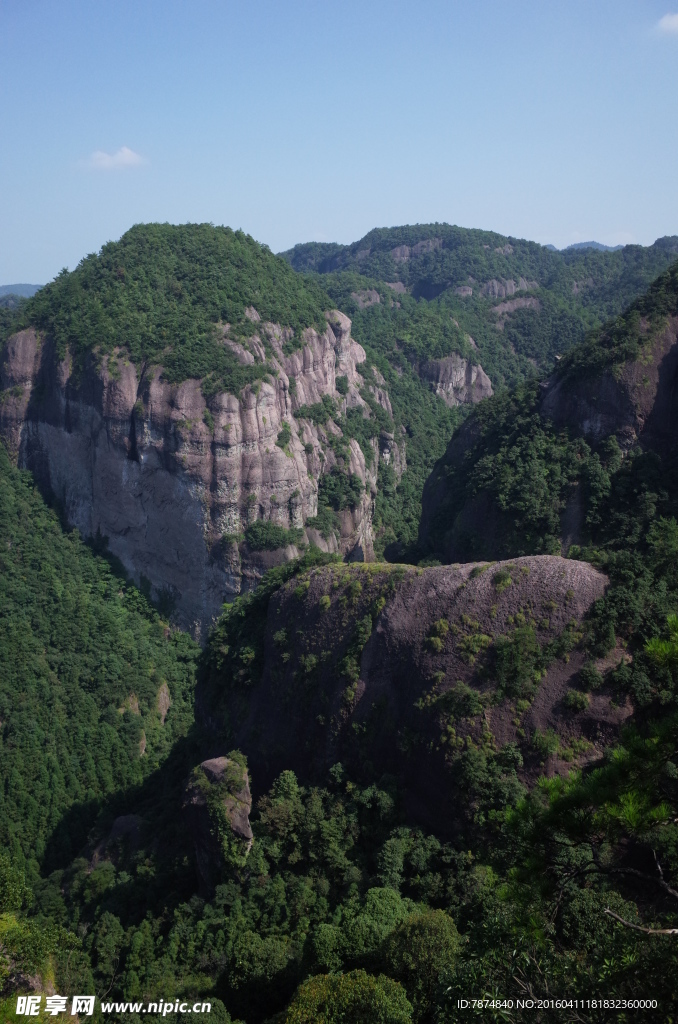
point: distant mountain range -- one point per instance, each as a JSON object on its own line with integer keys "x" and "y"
{"x": 594, "y": 245}
{"x": 11, "y": 294}
{"x": 586, "y": 245}
{"x": 24, "y": 290}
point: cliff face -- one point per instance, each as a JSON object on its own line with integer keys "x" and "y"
{"x": 172, "y": 480}
{"x": 636, "y": 401}
{"x": 457, "y": 381}
{"x": 621, "y": 388}
{"x": 397, "y": 669}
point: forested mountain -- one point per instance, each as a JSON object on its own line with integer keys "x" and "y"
{"x": 160, "y": 290}
{"x": 593, "y": 245}
{"x": 573, "y": 458}
{"x": 189, "y": 368}
{"x": 378, "y": 788}
{"x": 420, "y": 294}
{"x": 522, "y": 303}
{"x": 153, "y": 334}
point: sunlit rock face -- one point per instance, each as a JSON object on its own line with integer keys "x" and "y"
{"x": 172, "y": 480}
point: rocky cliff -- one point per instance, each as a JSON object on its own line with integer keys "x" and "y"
{"x": 171, "y": 479}
{"x": 398, "y": 669}
{"x": 456, "y": 380}
{"x": 635, "y": 400}
{"x": 533, "y": 466}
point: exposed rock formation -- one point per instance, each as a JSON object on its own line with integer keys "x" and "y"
{"x": 217, "y": 805}
{"x": 637, "y": 401}
{"x": 392, "y": 453}
{"x": 610, "y": 388}
{"x": 504, "y": 309}
{"x": 367, "y": 297}
{"x": 500, "y": 289}
{"x": 386, "y": 656}
{"x": 402, "y": 253}
{"x": 171, "y": 480}
{"x": 456, "y": 380}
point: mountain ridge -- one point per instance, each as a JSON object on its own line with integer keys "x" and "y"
{"x": 594, "y": 245}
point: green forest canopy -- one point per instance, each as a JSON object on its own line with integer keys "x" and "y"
{"x": 576, "y": 290}
{"x": 160, "y": 290}
{"x": 87, "y": 666}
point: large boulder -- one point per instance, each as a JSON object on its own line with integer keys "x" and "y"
{"x": 394, "y": 671}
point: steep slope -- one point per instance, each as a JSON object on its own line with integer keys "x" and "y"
{"x": 456, "y": 697}
{"x": 456, "y": 314}
{"x": 396, "y": 670}
{"x": 94, "y": 689}
{"x": 204, "y": 440}
{"x": 554, "y": 463}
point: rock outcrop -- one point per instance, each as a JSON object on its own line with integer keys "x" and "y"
{"x": 398, "y": 669}
{"x": 504, "y": 309}
{"x": 217, "y": 805}
{"x": 402, "y": 253}
{"x": 173, "y": 480}
{"x": 456, "y": 380}
{"x": 495, "y": 289}
{"x": 637, "y": 401}
{"x": 618, "y": 392}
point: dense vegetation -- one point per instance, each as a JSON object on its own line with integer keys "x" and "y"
{"x": 264, "y": 535}
{"x": 427, "y": 318}
{"x": 511, "y": 461}
{"x": 576, "y": 290}
{"x": 88, "y": 668}
{"x": 159, "y": 293}
{"x": 344, "y": 910}
{"x": 345, "y": 899}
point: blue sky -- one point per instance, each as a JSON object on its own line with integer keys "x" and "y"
{"x": 308, "y": 120}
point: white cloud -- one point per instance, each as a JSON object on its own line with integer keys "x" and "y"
{"x": 669, "y": 24}
{"x": 121, "y": 159}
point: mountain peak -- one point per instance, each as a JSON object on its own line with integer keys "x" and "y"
{"x": 593, "y": 245}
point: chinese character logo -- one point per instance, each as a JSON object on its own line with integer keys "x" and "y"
{"x": 28, "y": 1006}
{"x": 83, "y": 1004}
{"x": 55, "y": 1005}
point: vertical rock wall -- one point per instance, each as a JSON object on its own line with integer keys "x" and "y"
{"x": 172, "y": 483}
